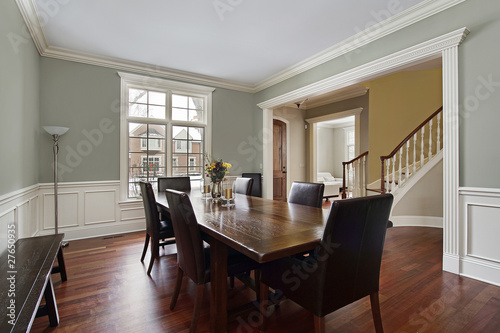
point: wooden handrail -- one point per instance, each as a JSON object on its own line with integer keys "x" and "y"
{"x": 355, "y": 159}
{"x": 398, "y": 147}
{"x": 412, "y": 134}
{"x": 344, "y": 195}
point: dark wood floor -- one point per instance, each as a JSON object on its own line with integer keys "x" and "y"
{"x": 108, "y": 291}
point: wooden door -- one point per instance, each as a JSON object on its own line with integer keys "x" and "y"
{"x": 279, "y": 160}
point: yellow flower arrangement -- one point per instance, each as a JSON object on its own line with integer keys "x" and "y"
{"x": 217, "y": 170}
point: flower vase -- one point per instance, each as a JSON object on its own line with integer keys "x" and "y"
{"x": 216, "y": 190}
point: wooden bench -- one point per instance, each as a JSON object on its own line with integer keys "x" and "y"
{"x": 25, "y": 278}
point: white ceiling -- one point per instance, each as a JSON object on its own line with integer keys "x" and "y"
{"x": 238, "y": 41}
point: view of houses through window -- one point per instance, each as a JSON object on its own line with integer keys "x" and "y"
{"x": 166, "y": 135}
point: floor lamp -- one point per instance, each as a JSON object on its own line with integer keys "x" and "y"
{"x": 56, "y": 132}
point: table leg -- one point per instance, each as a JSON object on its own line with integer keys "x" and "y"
{"x": 50, "y": 301}
{"x": 218, "y": 286}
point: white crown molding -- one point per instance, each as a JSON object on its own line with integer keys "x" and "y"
{"x": 372, "y": 69}
{"x": 399, "y": 21}
{"x": 419, "y": 12}
{"x": 30, "y": 15}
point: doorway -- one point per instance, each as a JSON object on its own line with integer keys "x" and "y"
{"x": 279, "y": 160}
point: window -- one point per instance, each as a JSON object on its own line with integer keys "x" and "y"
{"x": 350, "y": 143}
{"x": 164, "y": 130}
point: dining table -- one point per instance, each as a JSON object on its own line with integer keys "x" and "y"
{"x": 262, "y": 229}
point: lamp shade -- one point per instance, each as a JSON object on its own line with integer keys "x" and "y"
{"x": 55, "y": 130}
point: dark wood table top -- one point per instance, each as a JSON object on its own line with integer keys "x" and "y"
{"x": 262, "y": 229}
{"x": 29, "y": 272}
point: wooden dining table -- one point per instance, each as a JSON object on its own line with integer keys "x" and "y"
{"x": 262, "y": 229}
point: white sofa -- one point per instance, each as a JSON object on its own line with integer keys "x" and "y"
{"x": 332, "y": 184}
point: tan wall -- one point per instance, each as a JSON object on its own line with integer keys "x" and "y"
{"x": 398, "y": 104}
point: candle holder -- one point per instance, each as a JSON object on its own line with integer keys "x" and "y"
{"x": 228, "y": 198}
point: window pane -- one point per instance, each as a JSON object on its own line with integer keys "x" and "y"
{"x": 136, "y": 145}
{"x": 137, "y": 96}
{"x": 136, "y": 130}
{"x": 157, "y": 112}
{"x": 179, "y": 101}
{"x": 196, "y": 103}
{"x": 179, "y": 171}
{"x": 138, "y": 110}
{"x": 157, "y": 98}
{"x": 179, "y": 114}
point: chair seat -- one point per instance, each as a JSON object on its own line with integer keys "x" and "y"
{"x": 166, "y": 230}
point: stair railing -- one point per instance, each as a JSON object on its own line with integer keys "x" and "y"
{"x": 410, "y": 154}
{"x": 353, "y": 174}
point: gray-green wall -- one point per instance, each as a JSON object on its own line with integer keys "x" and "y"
{"x": 41, "y": 91}
{"x": 479, "y": 80}
{"x": 86, "y": 99}
{"x": 19, "y": 106}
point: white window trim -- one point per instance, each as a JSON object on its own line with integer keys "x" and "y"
{"x": 129, "y": 80}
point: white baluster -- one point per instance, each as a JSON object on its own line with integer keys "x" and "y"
{"x": 393, "y": 186}
{"x": 430, "y": 139}
{"x": 407, "y": 171}
{"x": 422, "y": 148}
{"x": 356, "y": 179}
{"x": 414, "y": 153}
{"x": 347, "y": 179}
{"x": 400, "y": 170}
{"x": 438, "y": 139}
{"x": 387, "y": 183}
{"x": 363, "y": 184}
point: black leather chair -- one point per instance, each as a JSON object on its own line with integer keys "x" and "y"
{"x": 345, "y": 266}
{"x": 193, "y": 258}
{"x": 243, "y": 185}
{"x": 308, "y": 194}
{"x": 159, "y": 232}
{"x": 257, "y": 183}
{"x": 174, "y": 183}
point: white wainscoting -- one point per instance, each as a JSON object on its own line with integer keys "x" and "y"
{"x": 20, "y": 211}
{"x": 86, "y": 209}
{"x": 479, "y": 234}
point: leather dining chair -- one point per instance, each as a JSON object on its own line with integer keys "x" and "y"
{"x": 345, "y": 266}
{"x": 243, "y": 185}
{"x": 308, "y": 194}
{"x": 193, "y": 258}
{"x": 174, "y": 183}
{"x": 160, "y": 233}
{"x": 257, "y": 183}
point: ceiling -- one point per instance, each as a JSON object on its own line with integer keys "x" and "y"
{"x": 243, "y": 42}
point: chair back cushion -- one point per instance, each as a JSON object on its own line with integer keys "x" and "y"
{"x": 350, "y": 252}
{"x": 150, "y": 210}
{"x": 257, "y": 183}
{"x": 190, "y": 253}
{"x": 308, "y": 194}
{"x": 243, "y": 185}
{"x": 174, "y": 183}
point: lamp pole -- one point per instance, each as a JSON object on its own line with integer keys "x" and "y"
{"x": 56, "y": 132}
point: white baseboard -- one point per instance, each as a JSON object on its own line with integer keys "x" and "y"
{"x": 417, "y": 221}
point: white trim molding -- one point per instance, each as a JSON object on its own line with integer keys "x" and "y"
{"x": 394, "y": 23}
{"x": 87, "y": 209}
{"x": 479, "y": 249}
{"x": 445, "y": 46}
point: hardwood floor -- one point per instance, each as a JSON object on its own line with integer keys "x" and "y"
{"x": 108, "y": 291}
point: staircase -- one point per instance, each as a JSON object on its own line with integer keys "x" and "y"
{"x": 407, "y": 164}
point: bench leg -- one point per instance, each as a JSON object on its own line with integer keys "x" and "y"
{"x": 61, "y": 268}
{"x": 51, "y": 305}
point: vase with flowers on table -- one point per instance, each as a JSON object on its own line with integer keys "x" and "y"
{"x": 216, "y": 171}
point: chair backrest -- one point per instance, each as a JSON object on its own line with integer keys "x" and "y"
{"x": 257, "y": 183}
{"x": 308, "y": 194}
{"x": 174, "y": 183}
{"x": 190, "y": 254}
{"x": 350, "y": 251}
{"x": 150, "y": 210}
{"x": 243, "y": 185}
